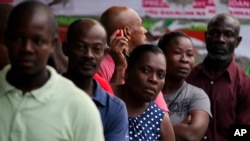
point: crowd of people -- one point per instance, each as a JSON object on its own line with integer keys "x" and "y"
{"x": 98, "y": 86}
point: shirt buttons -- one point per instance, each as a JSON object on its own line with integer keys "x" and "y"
{"x": 205, "y": 137}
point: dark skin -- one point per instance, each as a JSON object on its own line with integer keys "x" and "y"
{"x": 85, "y": 51}
{"x": 30, "y": 43}
{"x": 222, "y": 37}
{"x": 120, "y": 47}
{"x": 148, "y": 73}
{"x": 180, "y": 56}
{"x": 180, "y": 61}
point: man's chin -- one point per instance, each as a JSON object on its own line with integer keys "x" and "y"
{"x": 220, "y": 57}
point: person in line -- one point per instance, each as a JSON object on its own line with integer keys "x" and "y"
{"x": 36, "y": 103}
{"x": 5, "y": 9}
{"x": 147, "y": 69}
{"x": 226, "y": 84}
{"x": 128, "y": 21}
{"x": 189, "y": 105}
{"x": 56, "y": 59}
{"x": 85, "y": 44}
{"x": 113, "y": 66}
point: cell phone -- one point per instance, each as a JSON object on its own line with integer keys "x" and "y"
{"x": 120, "y": 33}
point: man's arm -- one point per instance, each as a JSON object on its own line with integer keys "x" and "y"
{"x": 118, "y": 128}
{"x": 167, "y": 132}
{"x": 118, "y": 51}
{"x": 86, "y": 121}
{"x": 243, "y": 102}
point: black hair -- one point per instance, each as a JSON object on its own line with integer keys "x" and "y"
{"x": 71, "y": 30}
{"x": 31, "y": 8}
{"x": 140, "y": 50}
{"x": 170, "y": 36}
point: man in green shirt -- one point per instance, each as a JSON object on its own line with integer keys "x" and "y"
{"x": 36, "y": 103}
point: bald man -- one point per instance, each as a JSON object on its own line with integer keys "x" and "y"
{"x": 127, "y": 20}
{"x": 226, "y": 84}
{"x": 85, "y": 45}
{"x": 114, "y": 64}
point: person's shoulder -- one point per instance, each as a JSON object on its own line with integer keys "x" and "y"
{"x": 114, "y": 100}
{"x": 153, "y": 105}
{"x": 240, "y": 76}
{"x": 108, "y": 99}
{"x": 103, "y": 83}
{"x": 196, "y": 92}
{"x": 3, "y": 72}
{"x": 65, "y": 88}
{"x": 196, "y": 89}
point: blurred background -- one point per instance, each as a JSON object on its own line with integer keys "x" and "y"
{"x": 161, "y": 16}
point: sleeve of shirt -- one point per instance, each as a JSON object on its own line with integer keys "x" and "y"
{"x": 200, "y": 101}
{"x": 118, "y": 130}
{"x": 243, "y": 103}
{"x": 87, "y": 125}
{"x": 161, "y": 103}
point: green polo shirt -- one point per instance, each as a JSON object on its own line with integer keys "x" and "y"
{"x": 57, "y": 111}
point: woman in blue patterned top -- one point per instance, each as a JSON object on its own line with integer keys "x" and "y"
{"x": 144, "y": 78}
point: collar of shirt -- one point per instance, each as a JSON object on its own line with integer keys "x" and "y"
{"x": 230, "y": 71}
{"x": 40, "y": 94}
{"x": 99, "y": 96}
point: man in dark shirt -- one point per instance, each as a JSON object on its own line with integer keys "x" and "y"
{"x": 223, "y": 80}
{"x": 85, "y": 44}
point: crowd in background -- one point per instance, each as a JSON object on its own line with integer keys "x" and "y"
{"x": 107, "y": 82}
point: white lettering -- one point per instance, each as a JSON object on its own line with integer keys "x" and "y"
{"x": 240, "y": 132}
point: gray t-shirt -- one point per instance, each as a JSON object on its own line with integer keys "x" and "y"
{"x": 186, "y": 99}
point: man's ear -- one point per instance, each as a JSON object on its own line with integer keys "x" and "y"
{"x": 127, "y": 32}
{"x": 65, "y": 47}
{"x": 55, "y": 43}
{"x": 106, "y": 51}
{"x": 238, "y": 41}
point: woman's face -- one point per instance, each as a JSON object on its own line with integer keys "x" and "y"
{"x": 146, "y": 77}
{"x": 180, "y": 58}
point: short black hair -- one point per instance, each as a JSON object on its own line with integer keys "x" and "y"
{"x": 140, "y": 50}
{"x": 30, "y": 8}
{"x": 71, "y": 30}
{"x": 168, "y": 37}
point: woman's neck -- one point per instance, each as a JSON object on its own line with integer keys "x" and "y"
{"x": 134, "y": 106}
{"x": 172, "y": 85}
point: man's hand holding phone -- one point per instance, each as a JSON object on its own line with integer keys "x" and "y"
{"x": 120, "y": 33}
{"x": 118, "y": 48}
